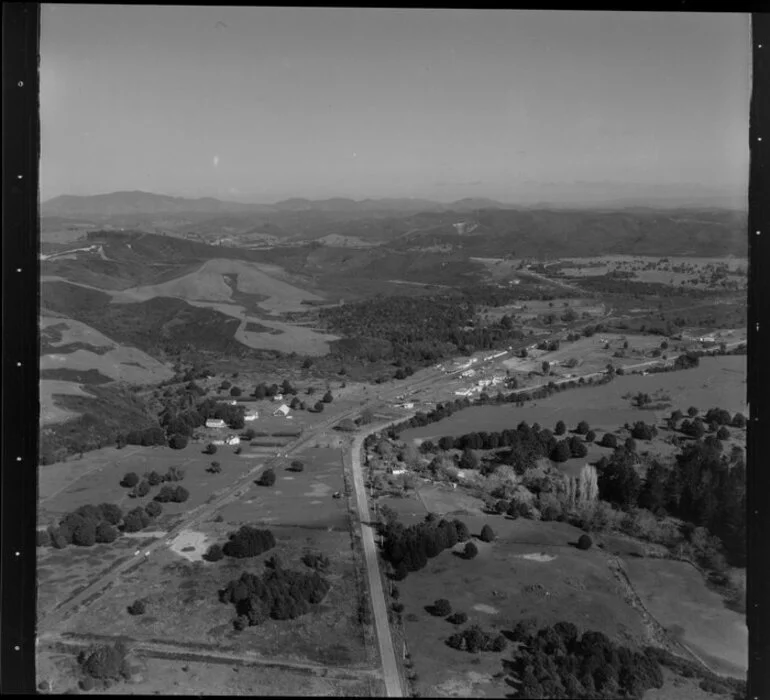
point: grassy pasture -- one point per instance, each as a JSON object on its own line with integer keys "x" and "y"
{"x": 302, "y": 499}
{"x": 164, "y": 676}
{"x": 101, "y": 476}
{"x": 183, "y": 605}
{"x": 676, "y": 594}
{"x": 49, "y": 411}
{"x": 62, "y": 572}
{"x": 590, "y": 354}
{"x": 718, "y": 381}
{"x": 529, "y": 571}
{"x": 208, "y": 283}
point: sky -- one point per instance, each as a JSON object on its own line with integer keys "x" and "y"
{"x": 261, "y": 104}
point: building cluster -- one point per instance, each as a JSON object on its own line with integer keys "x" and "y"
{"x": 480, "y": 385}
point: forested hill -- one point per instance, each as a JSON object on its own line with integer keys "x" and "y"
{"x": 551, "y": 233}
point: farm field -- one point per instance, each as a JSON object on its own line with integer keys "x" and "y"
{"x": 53, "y": 478}
{"x": 718, "y": 381}
{"x": 299, "y": 499}
{"x": 184, "y": 677}
{"x": 183, "y": 606}
{"x": 101, "y": 483}
{"x": 528, "y": 571}
{"x": 676, "y": 594}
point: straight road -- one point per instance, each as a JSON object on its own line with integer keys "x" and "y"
{"x": 390, "y": 673}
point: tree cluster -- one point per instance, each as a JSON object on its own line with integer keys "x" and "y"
{"x": 279, "y": 594}
{"x": 409, "y": 548}
{"x": 105, "y": 662}
{"x": 557, "y": 662}
{"x": 474, "y": 639}
{"x": 87, "y": 525}
{"x": 173, "y": 494}
{"x": 248, "y": 542}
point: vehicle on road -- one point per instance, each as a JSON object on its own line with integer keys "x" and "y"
{"x": 337, "y": 494}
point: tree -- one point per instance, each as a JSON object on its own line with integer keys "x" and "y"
{"x": 692, "y": 411}
{"x": 560, "y": 428}
{"x": 469, "y": 459}
{"x": 590, "y": 436}
{"x": 577, "y": 447}
{"x": 267, "y": 478}
{"x": 141, "y": 489}
{"x": 130, "y": 479}
{"x": 215, "y": 467}
{"x": 561, "y": 452}
{"x": 177, "y": 442}
{"x": 487, "y": 534}
{"x": 584, "y": 542}
{"x": 546, "y": 367}
{"x": 582, "y": 428}
{"x": 630, "y": 444}
{"x": 153, "y": 509}
{"x": 347, "y": 425}
{"x": 609, "y": 440}
{"x": 327, "y": 397}
{"x": 297, "y": 466}
{"x": 214, "y": 553}
{"x": 248, "y": 542}
{"x": 723, "y": 433}
{"x": 107, "y": 662}
{"x": 441, "y": 608}
{"x": 210, "y": 449}
{"x": 105, "y": 532}
{"x": 470, "y": 550}
{"x": 461, "y": 530}
{"x": 458, "y": 618}
{"x": 153, "y": 478}
{"x": 137, "y": 608}
{"x": 319, "y": 407}
{"x": 738, "y": 421}
{"x": 111, "y": 513}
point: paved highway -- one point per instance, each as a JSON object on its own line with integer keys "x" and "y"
{"x": 390, "y": 672}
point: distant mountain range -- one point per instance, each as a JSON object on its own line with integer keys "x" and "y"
{"x": 140, "y": 203}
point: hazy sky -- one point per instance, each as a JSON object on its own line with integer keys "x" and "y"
{"x": 267, "y": 103}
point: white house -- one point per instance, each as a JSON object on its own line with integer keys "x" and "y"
{"x": 468, "y": 373}
{"x": 233, "y": 440}
{"x": 408, "y": 404}
{"x": 282, "y": 410}
{"x": 278, "y": 397}
{"x": 251, "y": 415}
{"x": 215, "y": 423}
{"x": 217, "y": 442}
{"x": 396, "y": 472}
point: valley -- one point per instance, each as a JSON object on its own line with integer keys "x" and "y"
{"x": 317, "y": 396}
